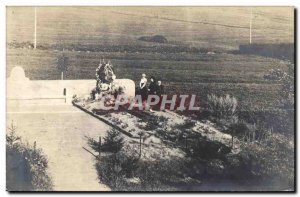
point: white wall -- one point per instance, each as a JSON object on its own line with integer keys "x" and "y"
{"x": 21, "y": 89}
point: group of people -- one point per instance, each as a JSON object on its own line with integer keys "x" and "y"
{"x": 105, "y": 78}
{"x": 154, "y": 88}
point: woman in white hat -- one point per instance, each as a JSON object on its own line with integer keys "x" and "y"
{"x": 143, "y": 87}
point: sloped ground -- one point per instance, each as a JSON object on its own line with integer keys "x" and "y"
{"x": 159, "y": 149}
{"x": 134, "y": 123}
{"x": 60, "y": 131}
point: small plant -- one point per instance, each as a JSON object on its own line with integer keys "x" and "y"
{"x": 222, "y": 107}
{"x": 119, "y": 169}
{"x": 94, "y": 144}
{"x": 153, "y": 121}
{"x": 62, "y": 65}
{"x": 256, "y": 132}
{"x": 237, "y": 129}
{"x": 113, "y": 142}
{"x": 11, "y": 137}
{"x": 75, "y": 98}
{"x": 116, "y": 168}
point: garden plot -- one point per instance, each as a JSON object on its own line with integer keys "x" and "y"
{"x": 121, "y": 120}
{"x": 212, "y": 133}
{"x": 152, "y": 148}
{"x": 170, "y": 122}
{"x": 156, "y": 127}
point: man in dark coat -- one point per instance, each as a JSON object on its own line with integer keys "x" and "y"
{"x": 152, "y": 86}
{"x": 160, "y": 88}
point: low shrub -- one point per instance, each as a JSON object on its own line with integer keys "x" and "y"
{"x": 116, "y": 168}
{"x": 26, "y": 166}
{"x": 155, "y": 38}
{"x": 271, "y": 163}
{"x": 250, "y": 132}
{"x": 222, "y": 107}
{"x": 152, "y": 122}
{"x": 112, "y": 142}
{"x": 280, "y": 120}
{"x": 127, "y": 171}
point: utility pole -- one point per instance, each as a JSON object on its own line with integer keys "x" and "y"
{"x": 250, "y": 28}
{"x": 35, "y": 27}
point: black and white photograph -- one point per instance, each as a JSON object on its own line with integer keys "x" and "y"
{"x": 150, "y": 98}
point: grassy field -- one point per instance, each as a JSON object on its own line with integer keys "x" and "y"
{"x": 238, "y": 75}
{"x": 207, "y": 27}
{"x": 114, "y": 31}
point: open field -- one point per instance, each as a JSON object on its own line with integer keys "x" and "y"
{"x": 238, "y": 75}
{"x": 87, "y": 34}
{"x": 206, "y": 27}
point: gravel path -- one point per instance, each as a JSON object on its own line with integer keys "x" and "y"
{"x": 60, "y": 131}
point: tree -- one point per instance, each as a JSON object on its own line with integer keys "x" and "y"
{"x": 62, "y": 65}
{"x": 286, "y": 79}
{"x": 113, "y": 141}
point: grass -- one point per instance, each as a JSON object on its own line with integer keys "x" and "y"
{"x": 238, "y": 75}
{"x": 114, "y": 32}
{"x": 184, "y": 25}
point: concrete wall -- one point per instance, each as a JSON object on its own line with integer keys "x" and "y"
{"x": 22, "y": 89}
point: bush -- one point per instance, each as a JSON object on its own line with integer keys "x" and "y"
{"x": 113, "y": 142}
{"x": 156, "y": 38}
{"x": 222, "y": 107}
{"x": 279, "y": 120}
{"x": 159, "y": 174}
{"x": 274, "y": 74}
{"x": 286, "y": 79}
{"x": 115, "y": 169}
{"x": 272, "y": 162}
{"x": 152, "y": 122}
{"x": 126, "y": 171}
{"x": 26, "y": 167}
{"x": 206, "y": 149}
{"x": 250, "y": 132}
{"x": 94, "y": 144}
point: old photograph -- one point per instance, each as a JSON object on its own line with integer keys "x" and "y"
{"x": 150, "y": 98}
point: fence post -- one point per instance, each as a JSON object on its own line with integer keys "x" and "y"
{"x": 140, "y": 145}
{"x": 99, "y": 148}
{"x": 117, "y": 146}
{"x": 186, "y": 146}
{"x": 34, "y": 146}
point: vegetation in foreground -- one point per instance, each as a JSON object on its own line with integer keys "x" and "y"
{"x": 261, "y": 156}
{"x": 26, "y": 166}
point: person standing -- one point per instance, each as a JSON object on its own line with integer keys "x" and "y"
{"x": 160, "y": 88}
{"x": 152, "y": 86}
{"x": 143, "y": 87}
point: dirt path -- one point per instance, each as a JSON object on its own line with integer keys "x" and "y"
{"x": 60, "y": 131}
